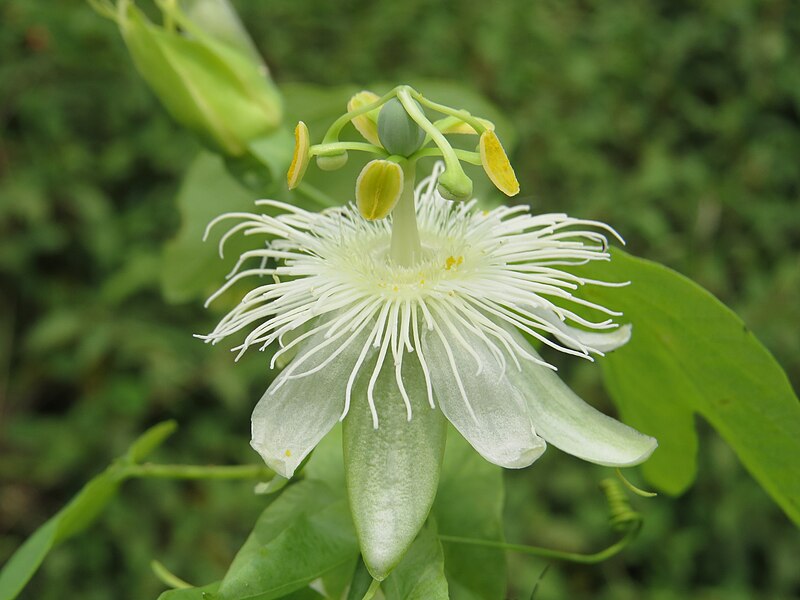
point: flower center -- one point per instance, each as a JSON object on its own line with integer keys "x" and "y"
{"x": 368, "y": 260}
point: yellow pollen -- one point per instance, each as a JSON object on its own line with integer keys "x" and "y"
{"x": 288, "y": 453}
{"x": 396, "y": 289}
{"x": 453, "y": 262}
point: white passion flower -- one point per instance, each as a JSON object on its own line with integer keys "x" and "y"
{"x": 403, "y": 311}
{"x": 447, "y": 333}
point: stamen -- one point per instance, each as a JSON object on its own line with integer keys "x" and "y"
{"x": 476, "y": 275}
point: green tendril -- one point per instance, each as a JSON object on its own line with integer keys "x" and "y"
{"x": 633, "y": 488}
{"x": 621, "y": 514}
{"x": 622, "y": 518}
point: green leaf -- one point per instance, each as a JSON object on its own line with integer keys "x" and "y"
{"x": 88, "y": 504}
{"x": 392, "y": 472}
{"x": 469, "y": 503}
{"x": 336, "y": 581}
{"x": 76, "y": 516}
{"x": 151, "y": 439}
{"x": 198, "y": 593}
{"x": 192, "y": 268}
{"x": 301, "y": 536}
{"x": 326, "y": 462}
{"x": 691, "y": 354}
{"x": 420, "y": 575}
{"x": 24, "y": 562}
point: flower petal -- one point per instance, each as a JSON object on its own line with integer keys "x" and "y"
{"x": 481, "y": 402}
{"x": 595, "y": 341}
{"x": 296, "y": 413}
{"x": 571, "y": 425}
{"x": 392, "y": 472}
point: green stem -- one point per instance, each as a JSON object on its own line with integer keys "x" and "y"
{"x": 458, "y": 113}
{"x": 575, "y": 557}
{"x": 413, "y": 110}
{"x": 373, "y": 589}
{"x": 406, "y": 248}
{"x": 332, "y": 135}
{"x": 198, "y": 472}
{"x": 466, "y": 156}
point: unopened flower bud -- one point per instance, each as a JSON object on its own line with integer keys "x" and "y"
{"x": 216, "y": 89}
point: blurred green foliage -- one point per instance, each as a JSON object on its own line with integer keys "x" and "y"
{"x": 678, "y": 122}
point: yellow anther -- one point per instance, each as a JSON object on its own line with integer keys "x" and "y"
{"x": 452, "y": 261}
{"x": 366, "y": 124}
{"x": 495, "y": 163}
{"x": 378, "y": 188}
{"x": 301, "y": 156}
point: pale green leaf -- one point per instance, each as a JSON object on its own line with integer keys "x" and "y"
{"x": 691, "y": 354}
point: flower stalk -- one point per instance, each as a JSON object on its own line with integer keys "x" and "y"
{"x": 406, "y": 248}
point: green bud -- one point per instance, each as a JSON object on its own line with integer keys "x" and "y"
{"x": 218, "y": 19}
{"x": 397, "y": 131}
{"x": 213, "y": 87}
{"x": 454, "y": 186}
{"x": 332, "y": 162}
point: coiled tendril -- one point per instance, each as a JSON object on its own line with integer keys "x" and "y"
{"x": 622, "y": 518}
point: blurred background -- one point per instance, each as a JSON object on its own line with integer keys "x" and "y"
{"x": 678, "y": 122}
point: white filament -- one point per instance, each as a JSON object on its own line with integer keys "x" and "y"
{"x": 481, "y": 271}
